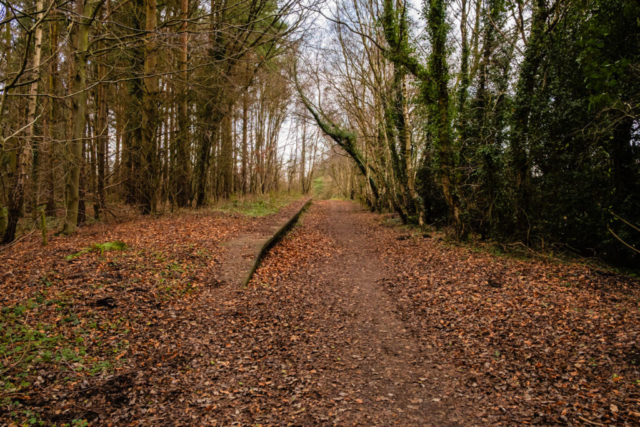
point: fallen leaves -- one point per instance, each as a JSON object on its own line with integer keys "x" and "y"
{"x": 550, "y": 343}
{"x": 88, "y": 325}
{"x": 149, "y": 335}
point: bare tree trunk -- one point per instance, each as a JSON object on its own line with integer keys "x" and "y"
{"x": 303, "y": 159}
{"x": 74, "y": 147}
{"x": 82, "y": 203}
{"x": 92, "y": 144}
{"x": 35, "y": 143}
{"x": 51, "y": 145}
{"x": 150, "y": 113}
{"x": 234, "y": 156}
{"x": 173, "y": 146}
{"x": 407, "y": 155}
{"x": 183, "y": 188}
{"x": 16, "y": 197}
{"x": 118, "y": 156}
{"x": 3, "y": 209}
{"x": 166, "y": 125}
{"x": 226, "y": 160}
{"x": 245, "y": 151}
{"x": 202, "y": 165}
{"x": 102, "y": 136}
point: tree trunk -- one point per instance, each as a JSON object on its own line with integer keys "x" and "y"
{"x": 437, "y": 20}
{"x": 245, "y": 151}
{"x": 53, "y": 117}
{"x": 464, "y": 62}
{"x": 226, "y": 159}
{"x": 80, "y": 38}
{"x": 208, "y": 139}
{"x": 523, "y": 104}
{"x": 102, "y": 136}
{"x": 16, "y": 197}
{"x": 183, "y": 188}
{"x": 118, "y": 154}
{"x": 405, "y": 140}
{"x": 303, "y": 159}
{"x": 82, "y": 203}
{"x": 166, "y": 126}
{"x": 92, "y": 145}
{"x": 150, "y": 114}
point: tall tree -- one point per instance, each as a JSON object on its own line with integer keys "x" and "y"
{"x": 86, "y": 10}
{"x": 24, "y": 146}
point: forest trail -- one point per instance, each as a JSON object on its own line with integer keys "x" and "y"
{"x": 348, "y": 320}
{"x": 243, "y": 252}
{"x": 382, "y": 367}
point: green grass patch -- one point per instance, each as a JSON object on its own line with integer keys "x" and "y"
{"x": 99, "y": 247}
{"x": 256, "y": 206}
{"x": 60, "y": 344}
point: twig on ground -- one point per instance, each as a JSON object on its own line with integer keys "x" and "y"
{"x": 590, "y": 422}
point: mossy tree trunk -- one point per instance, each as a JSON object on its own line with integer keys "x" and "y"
{"x": 25, "y": 145}
{"x": 80, "y": 38}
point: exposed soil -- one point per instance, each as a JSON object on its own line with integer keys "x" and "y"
{"x": 491, "y": 340}
{"x": 346, "y": 322}
{"x": 242, "y": 251}
{"x": 369, "y": 370}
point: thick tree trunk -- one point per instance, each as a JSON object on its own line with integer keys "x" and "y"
{"x": 17, "y": 195}
{"x": 523, "y": 104}
{"x": 80, "y": 37}
{"x": 207, "y": 140}
{"x": 226, "y": 157}
{"x": 3, "y": 142}
{"x": 437, "y": 22}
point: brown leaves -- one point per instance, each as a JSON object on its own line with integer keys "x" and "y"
{"x": 533, "y": 331}
{"x": 95, "y": 317}
{"x": 525, "y": 342}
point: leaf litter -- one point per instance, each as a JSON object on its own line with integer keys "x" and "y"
{"x": 149, "y": 336}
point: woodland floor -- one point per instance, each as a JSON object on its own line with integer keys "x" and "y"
{"x": 348, "y": 321}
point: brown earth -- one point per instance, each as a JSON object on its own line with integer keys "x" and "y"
{"x": 373, "y": 372}
{"x": 489, "y": 340}
{"x": 242, "y": 251}
{"x": 346, "y": 322}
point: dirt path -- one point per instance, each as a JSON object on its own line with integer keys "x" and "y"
{"x": 242, "y": 251}
{"x": 381, "y": 368}
{"x": 348, "y": 321}
{"x": 313, "y": 340}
